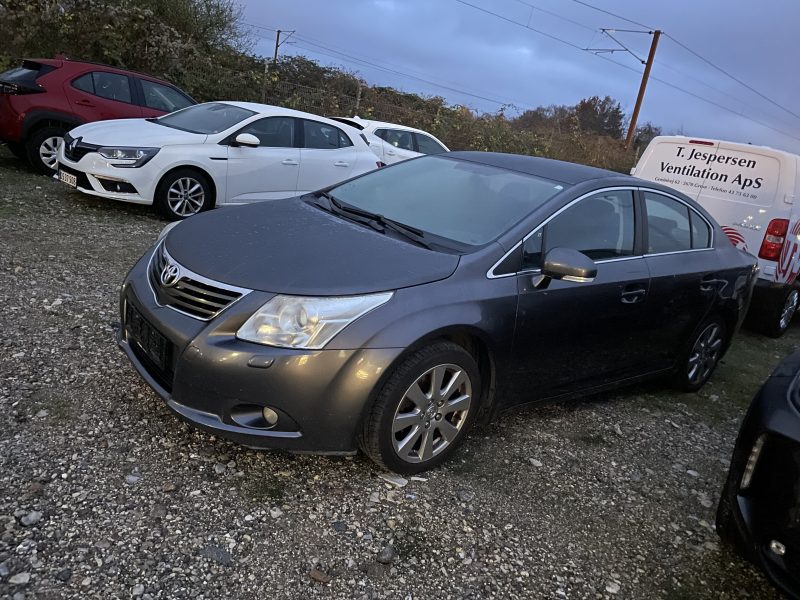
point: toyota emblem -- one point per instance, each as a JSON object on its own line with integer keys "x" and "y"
{"x": 170, "y": 274}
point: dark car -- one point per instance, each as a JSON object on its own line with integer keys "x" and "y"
{"x": 759, "y": 512}
{"x": 44, "y": 98}
{"x": 392, "y": 311}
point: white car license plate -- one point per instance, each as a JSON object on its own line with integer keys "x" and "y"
{"x": 68, "y": 178}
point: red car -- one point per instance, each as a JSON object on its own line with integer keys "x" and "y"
{"x": 44, "y": 98}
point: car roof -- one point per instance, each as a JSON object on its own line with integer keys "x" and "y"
{"x": 370, "y": 123}
{"x": 557, "y": 170}
{"x": 60, "y": 62}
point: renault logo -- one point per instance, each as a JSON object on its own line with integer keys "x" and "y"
{"x": 74, "y": 143}
{"x": 170, "y": 274}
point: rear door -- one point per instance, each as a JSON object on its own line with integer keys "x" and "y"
{"x": 327, "y": 156}
{"x": 268, "y": 172}
{"x": 100, "y": 95}
{"x": 684, "y": 272}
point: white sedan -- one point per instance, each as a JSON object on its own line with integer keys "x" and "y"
{"x": 393, "y": 143}
{"x": 212, "y": 154}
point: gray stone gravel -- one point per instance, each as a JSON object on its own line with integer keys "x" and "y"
{"x": 104, "y": 494}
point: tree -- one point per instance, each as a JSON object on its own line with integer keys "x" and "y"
{"x": 645, "y": 134}
{"x": 601, "y": 116}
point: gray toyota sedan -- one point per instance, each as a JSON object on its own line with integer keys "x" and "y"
{"x": 393, "y": 311}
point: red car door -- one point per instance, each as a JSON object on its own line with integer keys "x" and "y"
{"x": 100, "y": 95}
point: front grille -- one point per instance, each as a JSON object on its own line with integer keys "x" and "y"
{"x": 76, "y": 151}
{"x": 191, "y": 294}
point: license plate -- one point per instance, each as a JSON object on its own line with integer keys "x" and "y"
{"x": 150, "y": 341}
{"x": 68, "y": 178}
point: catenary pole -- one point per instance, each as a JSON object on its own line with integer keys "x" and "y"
{"x": 642, "y": 87}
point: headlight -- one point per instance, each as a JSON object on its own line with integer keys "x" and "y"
{"x": 132, "y": 157}
{"x": 305, "y": 321}
{"x": 166, "y": 230}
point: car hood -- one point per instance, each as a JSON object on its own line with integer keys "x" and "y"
{"x": 134, "y": 132}
{"x": 293, "y": 247}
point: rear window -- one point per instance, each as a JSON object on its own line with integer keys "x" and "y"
{"x": 27, "y": 74}
{"x": 213, "y": 117}
{"x": 720, "y": 171}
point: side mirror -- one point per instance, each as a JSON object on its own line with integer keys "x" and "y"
{"x": 247, "y": 139}
{"x": 569, "y": 265}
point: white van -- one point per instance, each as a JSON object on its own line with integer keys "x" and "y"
{"x": 752, "y": 191}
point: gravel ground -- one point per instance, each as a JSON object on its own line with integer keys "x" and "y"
{"x": 104, "y": 494}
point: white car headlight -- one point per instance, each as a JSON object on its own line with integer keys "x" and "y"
{"x": 132, "y": 157}
{"x": 306, "y": 321}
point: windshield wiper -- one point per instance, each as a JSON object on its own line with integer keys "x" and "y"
{"x": 376, "y": 221}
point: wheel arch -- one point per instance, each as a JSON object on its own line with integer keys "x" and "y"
{"x": 39, "y": 119}
{"x": 192, "y": 167}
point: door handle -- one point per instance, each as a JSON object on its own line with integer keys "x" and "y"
{"x": 290, "y": 162}
{"x": 83, "y": 102}
{"x": 632, "y": 295}
{"x": 708, "y": 283}
{"x": 390, "y": 152}
{"x": 341, "y": 163}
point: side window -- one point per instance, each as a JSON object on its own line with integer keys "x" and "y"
{"x": 427, "y": 145}
{"x": 320, "y": 135}
{"x": 400, "y": 139}
{"x": 668, "y": 227}
{"x": 344, "y": 140}
{"x": 701, "y": 232}
{"x": 273, "y": 132}
{"x": 112, "y": 86}
{"x": 381, "y": 133}
{"x": 601, "y": 226}
{"x": 84, "y": 83}
{"x": 163, "y": 97}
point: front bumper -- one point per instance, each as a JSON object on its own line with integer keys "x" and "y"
{"x": 97, "y": 177}
{"x": 768, "y": 510}
{"x": 220, "y": 384}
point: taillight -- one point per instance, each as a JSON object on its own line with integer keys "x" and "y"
{"x": 773, "y": 239}
{"x": 18, "y": 89}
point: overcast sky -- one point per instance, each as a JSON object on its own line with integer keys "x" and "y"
{"x": 458, "y": 47}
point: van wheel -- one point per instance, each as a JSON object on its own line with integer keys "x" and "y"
{"x": 42, "y": 148}
{"x": 183, "y": 193}
{"x": 775, "y": 319}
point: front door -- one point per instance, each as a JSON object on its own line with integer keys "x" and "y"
{"x": 268, "y": 172}
{"x": 573, "y": 336}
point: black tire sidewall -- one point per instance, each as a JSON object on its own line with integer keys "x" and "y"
{"x": 160, "y": 200}
{"x": 682, "y": 379}
{"x": 773, "y": 316}
{"x": 34, "y": 143}
{"x": 392, "y": 393}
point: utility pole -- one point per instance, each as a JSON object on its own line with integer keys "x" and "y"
{"x": 642, "y": 87}
{"x": 277, "y": 45}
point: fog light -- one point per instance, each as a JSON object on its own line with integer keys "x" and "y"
{"x": 270, "y": 416}
{"x": 777, "y": 548}
{"x": 752, "y": 460}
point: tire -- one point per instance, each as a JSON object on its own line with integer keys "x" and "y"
{"x": 423, "y": 444}
{"x": 18, "y": 150}
{"x": 41, "y": 148}
{"x": 774, "y": 319}
{"x": 183, "y": 193}
{"x": 702, "y": 355}
{"x": 725, "y": 523}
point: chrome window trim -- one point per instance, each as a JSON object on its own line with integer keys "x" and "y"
{"x": 490, "y": 273}
{"x": 197, "y": 277}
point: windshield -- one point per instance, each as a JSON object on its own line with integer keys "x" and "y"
{"x": 209, "y": 118}
{"x": 467, "y": 202}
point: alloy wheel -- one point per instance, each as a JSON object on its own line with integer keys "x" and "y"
{"x": 48, "y": 151}
{"x": 185, "y": 196}
{"x": 705, "y": 354}
{"x": 432, "y": 412}
{"x": 789, "y": 308}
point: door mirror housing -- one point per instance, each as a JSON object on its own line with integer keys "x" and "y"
{"x": 567, "y": 264}
{"x": 246, "y": 139}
